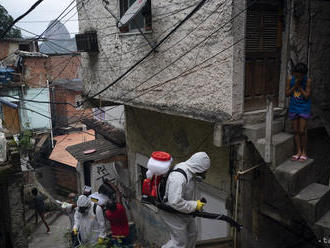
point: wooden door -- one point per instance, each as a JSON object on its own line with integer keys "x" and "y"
{"x": 11, "y": 119}
{"x": 263, "y": 54}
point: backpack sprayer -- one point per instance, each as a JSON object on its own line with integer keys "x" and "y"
{"x": 154, "y": 187}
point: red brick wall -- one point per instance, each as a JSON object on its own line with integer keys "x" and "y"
{"x": 38, "y": 70}
{"x": 35, "y": 72}
{"x": 63, "y": 67}
{"x": 67, "y": 112}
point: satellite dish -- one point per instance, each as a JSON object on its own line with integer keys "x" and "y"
{"x": 132, "y": 12}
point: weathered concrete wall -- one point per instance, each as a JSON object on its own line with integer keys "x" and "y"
{"x": 148, "y": 131}
{"x": 203, "y": 92}
{"x": 319, "y": 62}
{"x": 309, "y": 43}
{"x": 12, "y": 233}
{"x": 239, "y": 29}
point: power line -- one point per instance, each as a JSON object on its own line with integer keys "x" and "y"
{"x": 31, "y": 100}
{"x": 152, "y": 50}
{"x": 20, "y": 17}
{"x": 56, "y": 20}
{"x": 217, "y": 30}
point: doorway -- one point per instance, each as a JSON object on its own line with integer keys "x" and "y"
{"x": 263, "y": 53}
{"x": 11, "y": 119}
{"x": 87, "y": 173}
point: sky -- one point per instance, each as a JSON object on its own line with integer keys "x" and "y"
{"x": 38, "y": 20}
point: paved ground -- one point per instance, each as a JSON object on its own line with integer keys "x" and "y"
{"x": 55, "y": 239}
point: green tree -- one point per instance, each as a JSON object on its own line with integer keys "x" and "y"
{"x": 5, "y": 21}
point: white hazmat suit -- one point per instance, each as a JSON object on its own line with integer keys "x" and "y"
{"x": 90, "y": 226}
{"x": 180, "y": 196}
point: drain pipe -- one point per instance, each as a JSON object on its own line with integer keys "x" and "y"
{"x": 237, "y": 177}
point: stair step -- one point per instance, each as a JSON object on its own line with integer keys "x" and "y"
{"x": 322, "y": 226}
{"x": 295, "y": 175}
{"x": 282, "y": 147}
{"x": 257, "y": 131}
{"x": 275, "y": 214}
{"x": 313, "y": 201}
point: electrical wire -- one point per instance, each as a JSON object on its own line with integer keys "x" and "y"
{"x": 150, "y": 52}
{"x": 20, "y": 17}
{"x": 56, "y": 20}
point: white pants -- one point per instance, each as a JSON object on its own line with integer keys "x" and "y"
{"x": 182, "y": 229}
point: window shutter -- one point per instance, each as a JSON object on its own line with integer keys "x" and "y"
{"x": 263, "y": 30}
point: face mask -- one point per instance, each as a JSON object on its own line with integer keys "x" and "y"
{"x": 199, "y": 177}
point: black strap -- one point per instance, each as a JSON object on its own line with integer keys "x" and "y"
{"x": 94, "y": 208}
{"x": 182, "y": 172}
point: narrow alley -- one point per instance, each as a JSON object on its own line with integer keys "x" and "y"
{"x": 55, "y": 239}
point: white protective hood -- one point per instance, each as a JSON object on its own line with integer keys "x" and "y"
{"x": 198, "y": 163}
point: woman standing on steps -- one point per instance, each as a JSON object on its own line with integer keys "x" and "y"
{"x": 298, "y": 88}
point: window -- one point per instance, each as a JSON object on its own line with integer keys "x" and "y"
{"x": 87, "y": 42}
{"x": 142, "y": 19}
{"x": 24, "y": 47}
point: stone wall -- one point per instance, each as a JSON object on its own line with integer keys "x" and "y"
{"x": 204, "y": 92}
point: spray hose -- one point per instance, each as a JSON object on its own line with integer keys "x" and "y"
{"x": 206, "y": 215}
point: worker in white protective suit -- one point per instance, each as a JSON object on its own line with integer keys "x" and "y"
{"x": 89, "y": 221}
{"x": 180, "y": 196}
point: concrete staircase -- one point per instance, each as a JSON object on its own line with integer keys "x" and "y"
{"x": 298, "y": 179}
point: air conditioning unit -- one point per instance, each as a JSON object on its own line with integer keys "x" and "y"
{"x": 87, "y": 42}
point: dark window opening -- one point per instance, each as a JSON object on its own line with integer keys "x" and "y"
{"x": 24, "y": 47}
{"x": 87, "y": 173}
{"x": 143, "y": 19}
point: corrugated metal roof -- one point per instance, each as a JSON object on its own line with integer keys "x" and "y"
{"x": 103, "y": 149}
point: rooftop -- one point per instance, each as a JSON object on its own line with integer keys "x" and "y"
{"x": 74, "y": 84}
{"x": 95, "y": 150}
{"x": 59, "y": 153}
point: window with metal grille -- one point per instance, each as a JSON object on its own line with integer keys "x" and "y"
{"x": 143, "y": 19}
{"x": 87, "y": 42}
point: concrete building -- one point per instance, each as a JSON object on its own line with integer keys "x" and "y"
{"x": 206, "y": 89}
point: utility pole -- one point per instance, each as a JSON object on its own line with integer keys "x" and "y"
{"x": 50, "y": 113}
